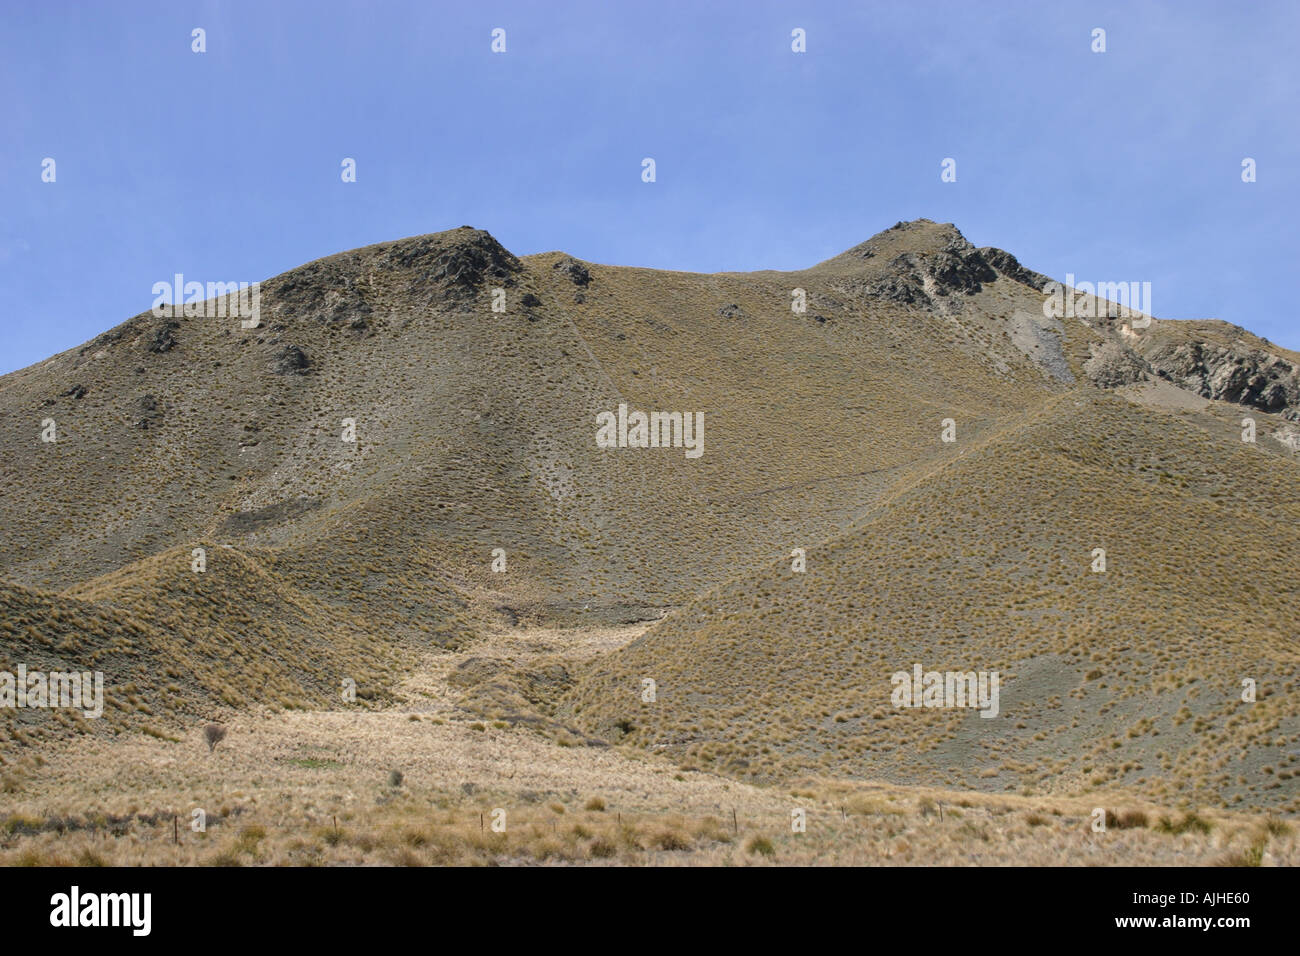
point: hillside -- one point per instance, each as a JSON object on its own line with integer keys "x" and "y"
{"x": 476, "y": 430}
{"x": 1129, "y": 677}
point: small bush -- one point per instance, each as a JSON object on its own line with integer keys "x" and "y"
{"x": 1128, "y": 820}
{"x": 214, "y": 734}
{"x": 670, "y": 840}
{"x": 760, "y": 845}
{"x": 395, "y": 778}
{"x": 249, "y": 837}
{"x": 1275, "y": 827}
{"x": 1253, "y": 855}
{"x": 1132, "y": 820}
{"x": 1190, "y": 823}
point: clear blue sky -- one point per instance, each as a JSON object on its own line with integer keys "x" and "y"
{"x": 226, "y": 165}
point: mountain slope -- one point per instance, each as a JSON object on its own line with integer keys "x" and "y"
{"x": 1128, "y": 677}
{"x": 474, "y": 381}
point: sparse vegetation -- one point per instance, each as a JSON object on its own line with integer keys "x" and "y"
{"x": 348, "y": 619}
{"x": 213, "y": 734}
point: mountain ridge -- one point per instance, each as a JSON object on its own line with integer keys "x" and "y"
{"x": 472, "y": 495}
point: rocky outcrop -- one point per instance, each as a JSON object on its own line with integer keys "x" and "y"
{"x": 918, "y": 278}
{"x": 324, "y": 291}
{"x": 471, "y": 258}
{"x": 1238, "y": 374}
{"x": 1112, "y": 365}
{"x": 291, "y": 360}
{"x": 958, "y": 269}
{"x": 463, "y": 257}
{"x": 164, "y": 338}
{"x": 1010, "y": 267}
{"x": 906, "y": 289}
{"x": 917, "y": 263}
{"x": 448, "y": 267}
{"x": 147, "y": 412}
{"x": 576, "y": 272}
{"x": 1245, "y": 376}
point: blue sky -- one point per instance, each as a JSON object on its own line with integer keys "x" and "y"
{"x": 225, "y": 166}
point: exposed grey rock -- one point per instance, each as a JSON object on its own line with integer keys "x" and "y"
{"x": 1112, "y": 365}
{"x": 1244, "y": 376}
{"x": 245, "y": 522}
{"x": 1010, "y": 267}
{"x": 575, "y": 270}
{"x": 471, "y": 259}
{"x": 1289, "y": 436}
{"x": 292, "y": 360}
{"x": 906, "y": 289}
{"x": 959, "y": 268}
{"x": 322, "y": 291}
{"x": 1040, "y": 339}
{"x": 111, "y": 337}
{"x": 913, "y": 278}
{"x": 147, "y": 412}
{"x": 432, "y": 270}
{"x": 163, "y": 338}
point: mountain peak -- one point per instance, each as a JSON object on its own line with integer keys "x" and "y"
{"x": 919, "y": 236}
{"x": 912, "y": 261}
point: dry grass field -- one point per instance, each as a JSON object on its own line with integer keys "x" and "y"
{"x": 318, "y": 788}
{"x": 377, "y": 564}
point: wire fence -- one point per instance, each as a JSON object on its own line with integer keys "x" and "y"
{"x": 178, "y": 825}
